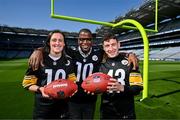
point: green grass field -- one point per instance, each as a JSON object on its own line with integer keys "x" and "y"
{"x": 163, "y": 101}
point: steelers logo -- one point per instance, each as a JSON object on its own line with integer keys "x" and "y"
{"x": 124, "y": 62}
{"x": 94, "y": 58}
{"x": 113, "y": 64}
{"x": 68, "y": 63}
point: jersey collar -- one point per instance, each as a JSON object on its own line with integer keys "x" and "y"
{"x": 83, "y": 54}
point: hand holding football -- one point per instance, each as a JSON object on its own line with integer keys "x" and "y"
{"x": 60, "y": 89}
{"x": 96, "y": 83}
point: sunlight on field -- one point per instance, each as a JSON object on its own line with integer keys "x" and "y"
{"x": 163, "y": 101}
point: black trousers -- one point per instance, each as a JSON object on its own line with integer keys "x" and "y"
{"x": 81, "y": 110}
{"x": 54, "y": 110}
{"x": 109, "y": 112}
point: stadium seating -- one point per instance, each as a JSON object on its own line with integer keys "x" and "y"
{"x": 169, "y": 53}
{"x": 18, "y": 42}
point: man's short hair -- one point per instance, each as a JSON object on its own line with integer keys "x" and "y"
{"x": 85, "y": 30}
{"x": 109, "y": 36}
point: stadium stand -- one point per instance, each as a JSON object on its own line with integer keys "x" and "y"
{"x": 163, "y": 45}
{"x": 18, "y": 42}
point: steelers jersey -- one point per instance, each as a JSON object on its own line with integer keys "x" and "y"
{"x": 62, "y": 68}
{"x": 124, "y": 101}
{"x": 85, "y": 65}
{"x": 117, "y": 68}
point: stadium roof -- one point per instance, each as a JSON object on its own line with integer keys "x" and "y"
{"x": 145, "y": 14}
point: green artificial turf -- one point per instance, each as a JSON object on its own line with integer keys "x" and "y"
{"x": 15, "y": 101}
{"x": 163, "y": 101}
{"x": 164, "y": 92}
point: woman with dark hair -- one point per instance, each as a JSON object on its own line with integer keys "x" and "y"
{"x": 57, "y": 65}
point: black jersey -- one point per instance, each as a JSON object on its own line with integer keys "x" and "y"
{"x": 52, "y": 70}
{"x": 85, "y": 65}
{"x": 119, "y": 103}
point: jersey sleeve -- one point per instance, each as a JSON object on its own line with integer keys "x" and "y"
{"x": 71, "y": 72}
{"x": 134, "y": 90}
{"x": 135, "y": 79}
{"x": 72, "y": 77}
{"x": 136, "y": 83}
{"x": 29, "y": 79}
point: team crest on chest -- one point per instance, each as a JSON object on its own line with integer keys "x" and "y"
{"x": 124, "y": 62}
{"x": 94, "y": 57}
{"x": 68, "y": 63}
{"x": 113, "y": 64}
{"x": 54, "y": 63}
{"x": 84, "y": 60}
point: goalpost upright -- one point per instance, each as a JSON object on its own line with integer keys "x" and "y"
{"x": 122, "y": 24}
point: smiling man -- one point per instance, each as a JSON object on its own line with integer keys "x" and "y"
{"x": 118, "y": 101}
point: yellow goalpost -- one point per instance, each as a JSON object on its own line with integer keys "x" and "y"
{"x": 122, "y": 24}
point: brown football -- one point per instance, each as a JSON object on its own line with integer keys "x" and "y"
{"x": 60, "y": 89}
{"x": 96, "y": 83}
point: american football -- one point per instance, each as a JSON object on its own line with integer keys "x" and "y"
{"x": 96, "y": 83}
{"x": 60, "y": 89}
